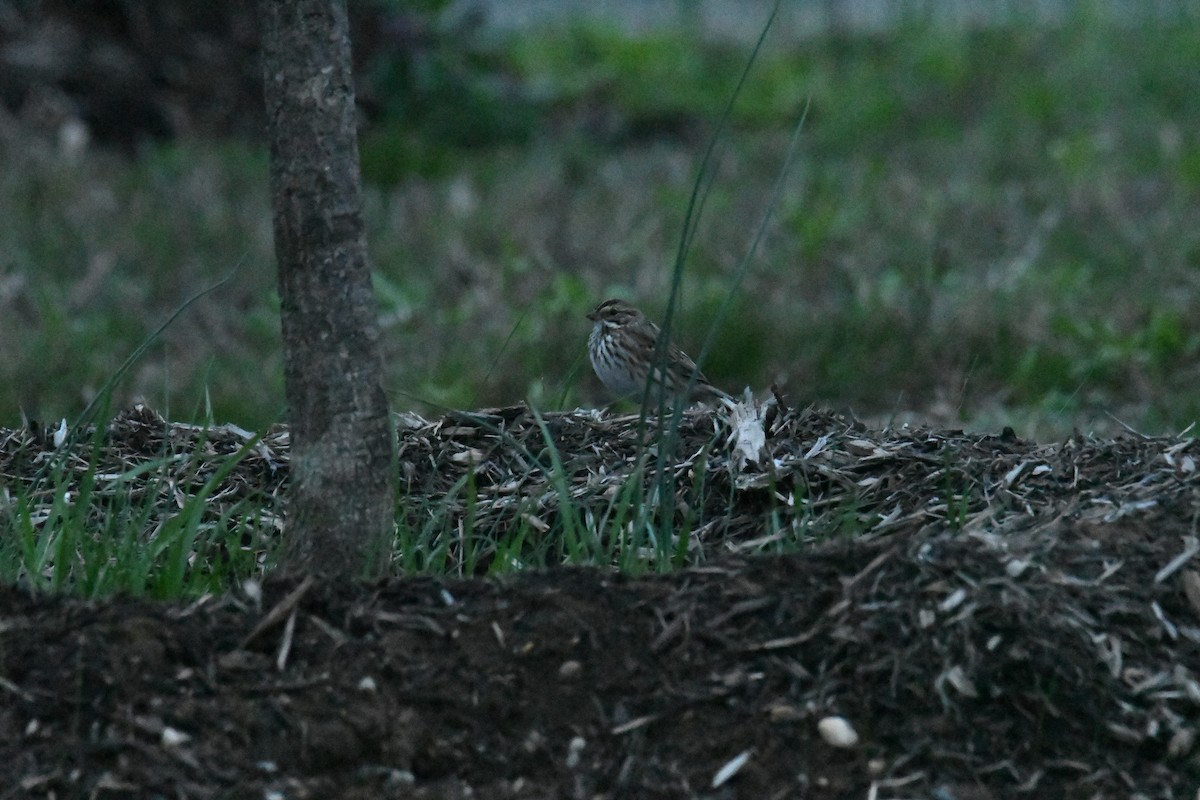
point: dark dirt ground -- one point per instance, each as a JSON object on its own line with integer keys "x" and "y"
{"x": 1044, "y": 642}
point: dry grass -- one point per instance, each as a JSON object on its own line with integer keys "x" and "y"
{"x": 509, "y": 489}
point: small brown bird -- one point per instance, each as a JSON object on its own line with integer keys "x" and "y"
{"x": 622, "y": 351}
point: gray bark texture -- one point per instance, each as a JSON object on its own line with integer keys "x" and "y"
{"x": 341, "y": 497}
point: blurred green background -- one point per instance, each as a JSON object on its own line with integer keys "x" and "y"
{"x": 988, "y": 222}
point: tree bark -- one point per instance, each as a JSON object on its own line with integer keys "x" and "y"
{"x": 341, "y": 496}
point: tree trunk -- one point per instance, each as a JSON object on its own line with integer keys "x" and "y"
{"x": 341, "y": 496}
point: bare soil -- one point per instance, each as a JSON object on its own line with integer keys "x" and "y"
{"x": 1032, "y": 632}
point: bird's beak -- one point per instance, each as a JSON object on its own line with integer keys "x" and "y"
{"x": 592, "y": 316}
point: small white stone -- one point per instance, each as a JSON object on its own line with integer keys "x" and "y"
{"x": 367, "y": 684}
{"x": 575, "y": 751}
{"x": 252, "y": 589}
{"x": 838, "y": 732}
{"x": 173, "y": 738}
{"x": 1181, "y": 744}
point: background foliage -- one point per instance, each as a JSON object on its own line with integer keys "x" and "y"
{"x": 985, "y": 225}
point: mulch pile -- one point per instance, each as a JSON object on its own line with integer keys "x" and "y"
{"x": 869, "y": 614}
